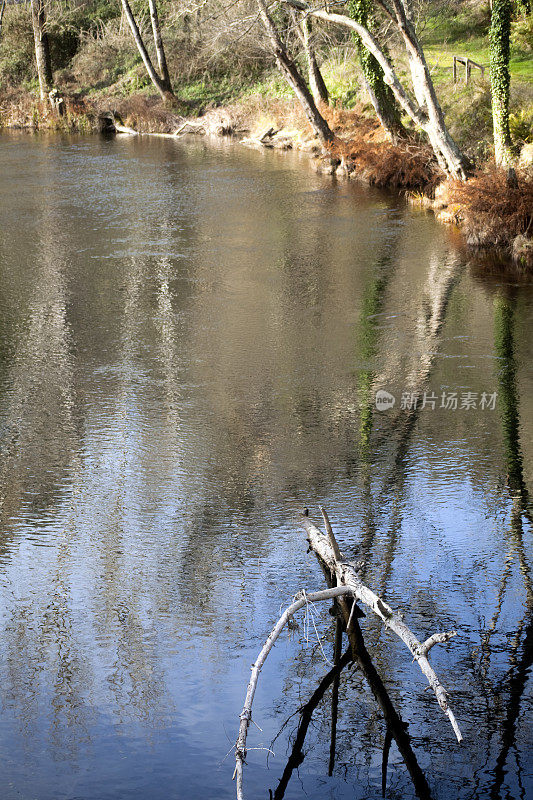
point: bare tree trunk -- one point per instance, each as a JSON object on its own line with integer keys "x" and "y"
{"x": 451, "y": 159}
{"x": 159, "y": 48}
{"x": 42, "y": 47}
{"x": 430, "y": 119}
{"x": 291, "y": 73}
{"x": 159, "y": 83}
{"x": 319, "y": 89}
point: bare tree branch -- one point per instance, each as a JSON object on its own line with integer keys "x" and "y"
{"x": 346, "y": 575}
{"x": 246, "y": 714}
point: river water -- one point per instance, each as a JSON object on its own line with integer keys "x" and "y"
{"x": 192, "y": 336}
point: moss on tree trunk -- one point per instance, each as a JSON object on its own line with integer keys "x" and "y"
{"x": 500, "y": 30}
{"x": 381, "y": 95}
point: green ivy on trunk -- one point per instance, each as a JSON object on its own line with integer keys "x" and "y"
{"x": 381, "y": 95}
{"x": 500, "y": 30}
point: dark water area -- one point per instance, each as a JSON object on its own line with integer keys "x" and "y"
{"x": 192, "y": 336}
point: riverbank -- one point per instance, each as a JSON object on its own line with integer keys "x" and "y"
{"x": 493, "y": 209}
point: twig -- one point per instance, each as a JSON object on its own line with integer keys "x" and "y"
{"x": 437, "y": 638}
{"x": 302, "y": 599}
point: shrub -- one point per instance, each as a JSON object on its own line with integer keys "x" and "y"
{"x": 342, "y": 75}
{"x": 521, "y": 125}
{"x": 105, "y": 55}
{"x": 494, "y": 211}
{"x": 17, "y": 59}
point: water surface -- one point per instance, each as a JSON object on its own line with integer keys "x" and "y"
{"x": 192, "y": 336}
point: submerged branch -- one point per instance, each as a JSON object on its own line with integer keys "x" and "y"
{"x": 346, "y": 575}
{"x": 303, "y": 598}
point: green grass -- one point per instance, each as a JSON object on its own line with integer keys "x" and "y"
{"x": 440, "y": 60}
{"x": 459, "y": 27}
{"x": 217, "y": 90}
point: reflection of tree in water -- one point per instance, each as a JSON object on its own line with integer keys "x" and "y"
{"x": 397, "y": 427}
{"x": 384, "y": 497}
{"x": 432, "y": 304}
{"x": 40, "y": 447}
{"x": 507, "y": 695}
{"x": 41, "y": 443}
{"x": 40, "y": 434}
{"x": 504, "y": 342}
{"x": 135, "y": 678}
{"x": 432, "y": 300}
{"x": 271, "y": 424}
{"x": 396, "y": 729}
{"x": 503, "y": 719}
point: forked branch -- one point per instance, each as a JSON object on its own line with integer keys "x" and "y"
{"x": 348, "y": 585}
{"x": 346, "y": 575}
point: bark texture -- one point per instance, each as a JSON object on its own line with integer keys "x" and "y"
{"x": 159, "y": 47}
{"x": 42, "y": 48}
{"x": 319, "y": 89}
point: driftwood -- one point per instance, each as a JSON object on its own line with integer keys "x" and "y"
{"x": 301, "y": 600}
{"x": 327, "y": 550}
{"x": 125, "y": 129}
{"x": 350, "y": 588}
{"x": 189, "y": 127}
{"x": 210, "y": 124}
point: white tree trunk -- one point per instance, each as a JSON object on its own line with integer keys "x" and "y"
{"x": 159, "y": 47}
{"x": 430, "y": 117}
{"x": 158, "y": 82}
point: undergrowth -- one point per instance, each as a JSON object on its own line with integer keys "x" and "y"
{"x": 408, "y": 164}
{"x": 494, "y": 210}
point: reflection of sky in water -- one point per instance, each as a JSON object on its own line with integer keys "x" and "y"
{"x": 191, "y": 338}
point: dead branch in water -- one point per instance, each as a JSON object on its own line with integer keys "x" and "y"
{"x": 349, "y": 586}
{"x": 346, "y": 575}
{"x": 302, "y": 599}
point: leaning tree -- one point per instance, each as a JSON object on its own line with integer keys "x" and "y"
{"x": 42, "y": 47}
{"x": 424, "y": 108}
{"x": 381, "y": 96}
{"x": 161, "y": 79}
